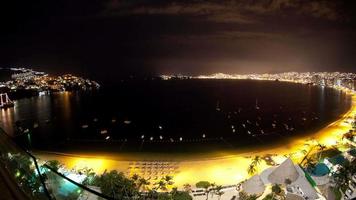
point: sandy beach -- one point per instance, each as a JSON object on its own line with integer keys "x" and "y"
{"x": 225, "y": 168}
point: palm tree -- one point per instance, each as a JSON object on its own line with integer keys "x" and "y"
{"x": 321, "y": 149}
{"x": 304, "y": 151}
{"x": 135, "y": 177}
{"x": 161, "y": 185}
{"x": 251, "y": 170}
{"x": 212, "y": 189}
{"x": 309, "y": 163}
{"x": 143, "y": 184}
{"x": 218, "y": 191}
{"x": 90, "y": 175}
{"x": 187, "y": 187}
{"x": 164, "y": 183}
{"x": 169, "y": 180}
{"x": 307, "y": 154}
{"x": 140, "y": 182}
{"x": 257, "y": 160}
{"x": 349, "y": 135}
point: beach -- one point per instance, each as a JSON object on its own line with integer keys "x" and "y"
{"x": 223, "y": 168}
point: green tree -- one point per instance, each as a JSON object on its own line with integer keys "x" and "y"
{"x": 287, "y": 181}
{"x": 205, "y": 185}
{"x": 89, "y": 175}
{"x": 349, "y": 135}
{"x": 164, "y": 183}
{"x": 143, "y": 184}
{"x": 303, "y": 151}
{"x": 342, "y": 175}
{"x": 182, "y": 196}
{"x": 164, "y": 196}
{"x": 276, "y": 189}
{"x": 116, "y": 185}
{"x": 140, "y": 183}
{"x": 54, "y": 164}
{"x": 309, "y": 163}
{"x": 270, "y": 197}
{"x": 244, "y": 196}
{"x": 187, "y": 187}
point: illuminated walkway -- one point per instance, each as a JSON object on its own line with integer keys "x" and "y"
{"x": 225, "y": 168}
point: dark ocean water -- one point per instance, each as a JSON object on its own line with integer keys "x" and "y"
{"x": 174, "y": 116}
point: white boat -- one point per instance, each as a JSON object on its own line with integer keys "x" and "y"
{"x": 104, "y": 131}
{"x": 256, "y": 106}
{"x": 127, "y": 122}
{"x": 85, "y": 126}
{"x": 217, "y": 106}
{"x": 42, "y": 93}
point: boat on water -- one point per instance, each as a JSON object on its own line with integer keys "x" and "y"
{"x": 256, "y": 106}
{"x": 85, "y": 126}
{"x": 5, "y": 101}
{"x": 217, "y": 106}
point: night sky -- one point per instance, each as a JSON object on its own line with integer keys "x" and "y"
{"x": 114, "y": 38}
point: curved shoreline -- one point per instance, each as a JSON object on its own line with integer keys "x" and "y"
{"x": 223, "y": 167}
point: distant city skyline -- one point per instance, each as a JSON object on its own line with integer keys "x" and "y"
{"x": 110, "y": 39}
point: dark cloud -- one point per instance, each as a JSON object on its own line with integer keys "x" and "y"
{"x": 113, "y": 38}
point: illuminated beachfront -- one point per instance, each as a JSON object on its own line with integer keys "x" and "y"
{"x": 330, "y": 79}
{"x": 223, "y": 168}
{"x": 231, "y": 169}
{"x": 178, "y": 100}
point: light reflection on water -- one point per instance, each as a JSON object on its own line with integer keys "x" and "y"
{"x": 7, "y": 119}
{"x": 61, "y": 115}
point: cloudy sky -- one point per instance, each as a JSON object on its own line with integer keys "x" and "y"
{"x": 118, "y": 38}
